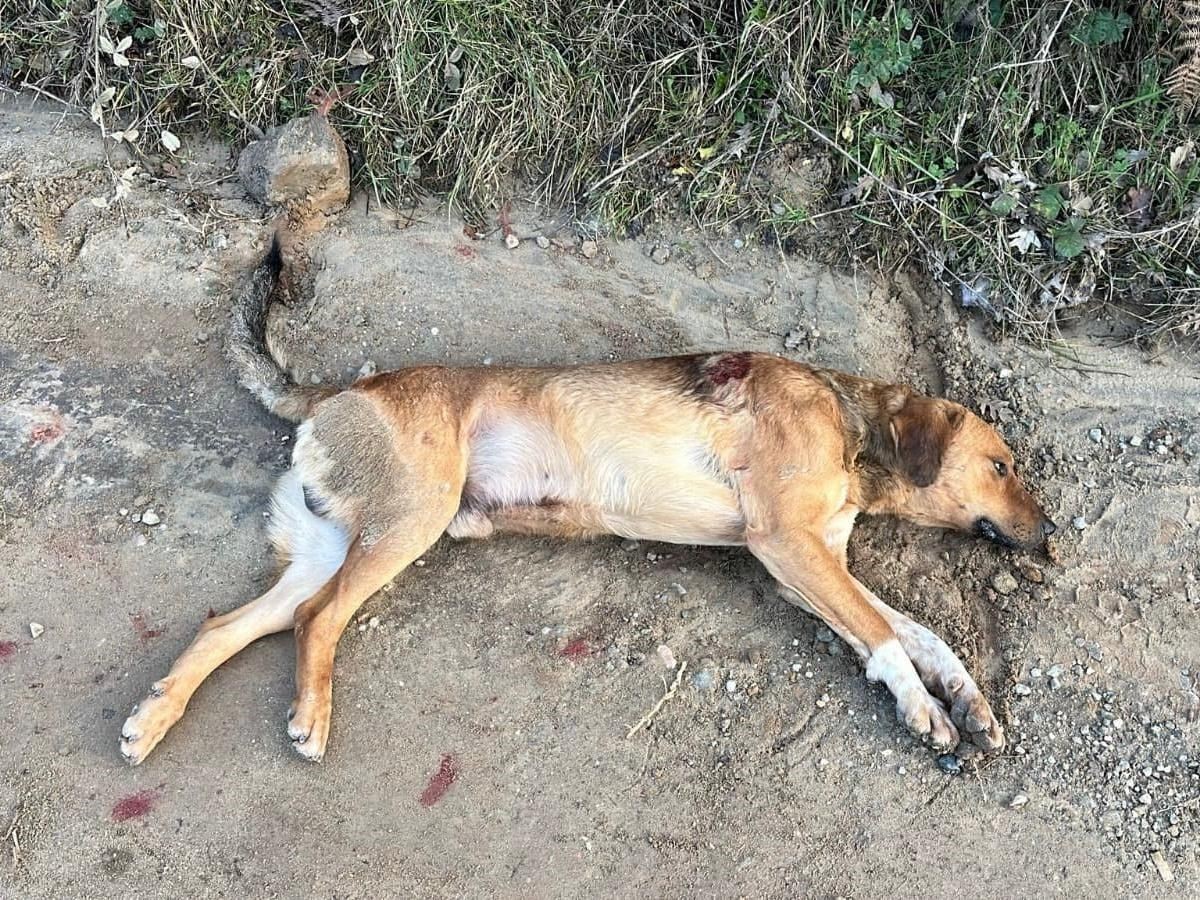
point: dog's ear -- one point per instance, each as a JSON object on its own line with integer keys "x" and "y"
{"x": 920, "y": 430}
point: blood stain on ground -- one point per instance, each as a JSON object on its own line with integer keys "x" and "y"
{"x": 135, "y": 805}
{"x": 8, "y": 649}
{"x": 144, "y": 631}
{"x": 577, "y": 648}
{"x": 445, "y": 776}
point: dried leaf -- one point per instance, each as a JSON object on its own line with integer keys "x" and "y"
{"x": 452, "y": 77}
{"x": 359, "y": 57}
{"x": 1024, "y": 239}
{"x": 1182, "y": 155}
{"x": 170, "y": 141}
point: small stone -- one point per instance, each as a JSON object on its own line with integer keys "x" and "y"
{"x": 1030, "y": 572}
{"x": 201, "y": 337}
{"x": 1006, "y": 373}
{"x": 123, "y": 511}
{"x": 1004, "y": 583}
{"x": 1136, "y": 440}
{"x": 1165, "y": 872}
{"x": 542, "y": 241}
{"x": 589, "y": 249}
{"x": 367, "y": 369}
{"x": 511, "y": 241}
{"x": 1018, "y": 801}
{"x": 1079, "y": 523}
{"x": 950, "y": 764}
{"x": 629, "y": 545}
{"x": 900, "y": 770}
{"x": 660, "y": 254}
{"x": 36, "y": 629}
{"x": 140, "y": 541}
{"x": 1022, "y": 690}
{"x": 731, "y": 686}
{"x": 826, "y": 635}
{"x": 794, "y": 340}
{"x": 703, "y": 681}
{"x": 1096, "y": 434}
{"x": 150, "y": 517}
{"x": 738, "y": 243}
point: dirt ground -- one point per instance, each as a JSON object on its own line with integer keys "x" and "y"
{"x": 482, "y": 701}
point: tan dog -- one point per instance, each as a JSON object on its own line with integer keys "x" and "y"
{"x": 726, "y": 448}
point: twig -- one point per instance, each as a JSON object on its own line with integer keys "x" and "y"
{"x": 645, "y": 720}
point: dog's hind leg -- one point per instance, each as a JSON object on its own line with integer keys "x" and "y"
{"x": 317, "y": 548}
{"x": 321, "y": 620}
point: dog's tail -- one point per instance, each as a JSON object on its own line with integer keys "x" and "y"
{"x": 257, "y": 359}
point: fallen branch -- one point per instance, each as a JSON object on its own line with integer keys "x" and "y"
{"x": 646, "y": 719}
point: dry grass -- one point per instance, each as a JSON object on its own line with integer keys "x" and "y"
{"x": 1027, "y": 153}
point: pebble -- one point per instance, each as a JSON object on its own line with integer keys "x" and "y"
{"x": 629, "y": 545}
{"x": 660, "y": 254}
{"x": 1004, "y": 583}
{"x": 542, "y": 241}
{"x": 367, "y": 369}
{"x": 150, "y": 517}
{"x": 36, "y": 629}
{"x": 511, "y": 241}
{"x": 1096, "y": 434}
{"x": 826, "y": 635}
{"x": 1030, "y": 572}
{"x": 702, "y": 681}
{"x": 1022, "y": 690}
{"x": 1079, "y": 523}
{"x": 589, "y": 249}
{"x": 1018, "y": 801}
{"x": 1136, "y": 440}
{"x": 731, "y": 686}
{"x": 950, "y": 764}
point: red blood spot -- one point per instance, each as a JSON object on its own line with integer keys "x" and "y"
{"x": 729, "y": 367}
{"x": 465, "y": 252}
{"x": 577, "y": 648}
{"x": 144, "y": 631}
{"x": 135, "y": 805}
{"x": 445, "y": 776}
{"x": 8, "y": 649}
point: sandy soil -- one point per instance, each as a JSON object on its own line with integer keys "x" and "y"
{"x": 518, "y": 665}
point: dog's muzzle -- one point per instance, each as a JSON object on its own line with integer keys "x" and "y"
{"x": 988, "y": 529}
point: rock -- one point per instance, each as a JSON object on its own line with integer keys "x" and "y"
{"x": 36, "y": 630}
{"x": 367, "y": 369}
{"x": 150, "y": 517}
{"x": 1018, "y": 801}
{"x": 511, "y": 241}
{"x": 1022, "y": 690}
{"x": 1004, "y": 583}
{"x": 731, "y": 686}
{"x": 825, "y": 635}
{"x": 589, "y": 249}
{"x": 1096, "y": 434}
{"x": 1079, "y": 523}
{"x": 302, "y": 164}
{"x": 949, "y": 764}
{"x": 660, "y": 254}
{"x": 1030, "y": 572}
{"x": 703, "y": 680}
{"x": 794, "y": 340}
{"x": 542, "y": 241}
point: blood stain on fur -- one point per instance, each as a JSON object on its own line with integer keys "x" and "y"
{"x": 577, "y": 648}
{"x": 135, "y": 805}
{"x": 144, "y": 631}
{"x": 729, "y": 367}
{"x": 445, "y": 776}
{"x": 8, "y": 649}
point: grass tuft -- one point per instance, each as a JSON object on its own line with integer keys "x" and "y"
{"x": 1040, "y": 158}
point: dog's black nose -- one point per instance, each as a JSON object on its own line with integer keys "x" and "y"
{"x": 1048, "y": 528}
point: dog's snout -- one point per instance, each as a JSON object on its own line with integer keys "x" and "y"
{"x": 1048, "y": 527}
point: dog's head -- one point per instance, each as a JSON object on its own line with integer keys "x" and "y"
{"x": 963, "y": 472}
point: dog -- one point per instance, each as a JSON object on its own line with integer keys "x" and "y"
{"x": 734, "y": 448}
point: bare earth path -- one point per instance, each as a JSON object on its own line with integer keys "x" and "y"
{"x": 514, "y": 668}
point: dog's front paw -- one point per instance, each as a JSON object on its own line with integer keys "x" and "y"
{"x": 970, "y": 711}
{"x": 308, "y": 725}
{"x": 927, "y": 719}
{"x": 148, "y": 722}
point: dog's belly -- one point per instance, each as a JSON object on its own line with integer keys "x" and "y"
{"x": 524, "y": 476}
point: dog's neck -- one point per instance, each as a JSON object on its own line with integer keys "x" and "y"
{"x": 876, "y": 486}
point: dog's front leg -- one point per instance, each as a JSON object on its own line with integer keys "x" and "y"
{"x": 944, "y": 675}
{"x": 814, "y": 579}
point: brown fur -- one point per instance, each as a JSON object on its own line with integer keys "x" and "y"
{"x": 739, "y": 448}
